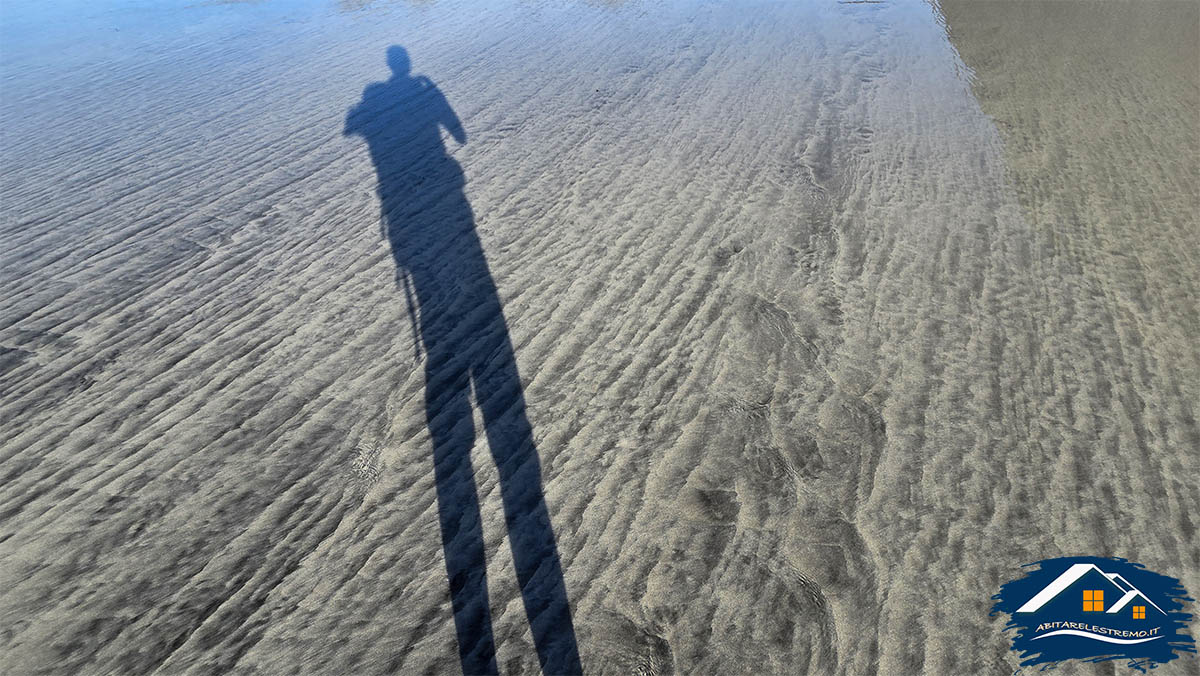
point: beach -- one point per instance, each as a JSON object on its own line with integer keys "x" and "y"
{"x": 766, "y": 339}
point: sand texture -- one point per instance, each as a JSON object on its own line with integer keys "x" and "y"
{"x": 815, "y": 322}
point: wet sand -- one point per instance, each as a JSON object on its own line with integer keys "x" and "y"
{"x": 826, "y": 319}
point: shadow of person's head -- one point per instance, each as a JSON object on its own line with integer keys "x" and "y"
{"x": 398, "y": 61}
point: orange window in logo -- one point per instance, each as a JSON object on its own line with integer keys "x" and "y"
{"x": 1093, "y": 600}
{"x": 1139, "y": 612}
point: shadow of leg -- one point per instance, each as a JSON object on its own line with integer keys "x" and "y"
{"x": 450, "y": 424}
{"x": 535, "y": 554}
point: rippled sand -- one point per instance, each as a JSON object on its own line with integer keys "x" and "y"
{"x": 827, "y": 319}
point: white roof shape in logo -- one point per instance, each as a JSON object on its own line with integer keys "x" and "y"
{"x": 1129, "y": 596}
{"x": 1071, "y": 575}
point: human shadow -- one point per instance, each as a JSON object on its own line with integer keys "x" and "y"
{"x": 458, "y": 321}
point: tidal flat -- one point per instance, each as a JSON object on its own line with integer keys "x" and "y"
{"x": 639, "y": 337}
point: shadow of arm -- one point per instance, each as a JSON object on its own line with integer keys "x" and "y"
{"x": 446, "y": 116}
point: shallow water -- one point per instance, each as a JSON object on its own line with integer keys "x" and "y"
{"x": 826, "y": 317}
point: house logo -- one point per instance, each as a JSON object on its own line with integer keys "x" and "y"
{"x": 1096, "y": 609}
